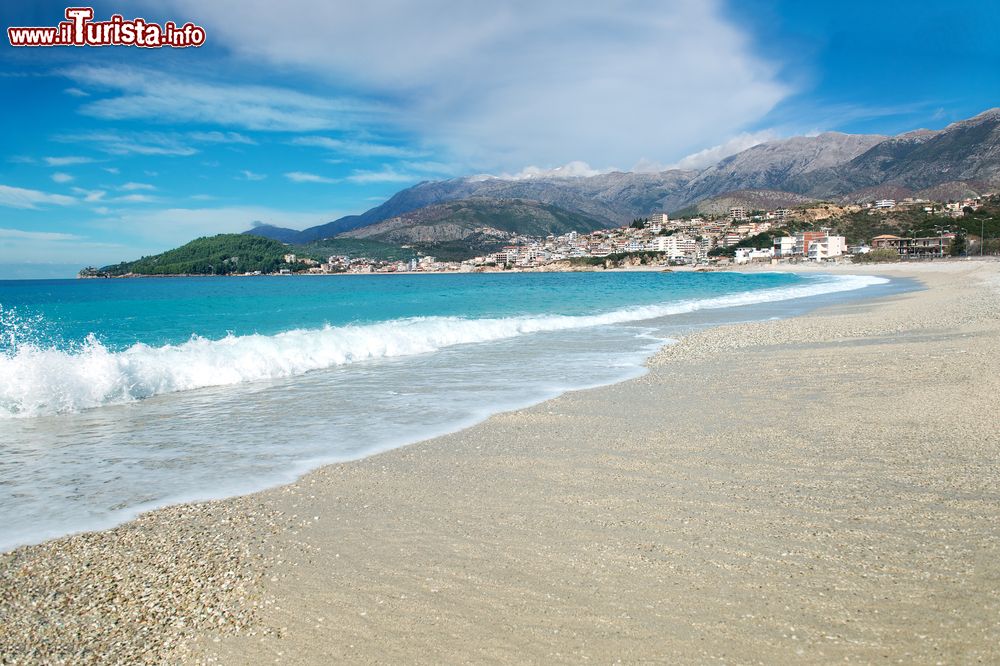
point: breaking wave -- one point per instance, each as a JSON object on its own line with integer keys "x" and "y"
{"x": 37, "y": 379}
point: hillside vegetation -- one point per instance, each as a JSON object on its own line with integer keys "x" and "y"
{"x": 862, "y": 227}
{"x": 225, "y": 254}
{"x": 353, "y": 247}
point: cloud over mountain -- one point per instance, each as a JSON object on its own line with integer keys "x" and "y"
{"x": 503, "y": 85}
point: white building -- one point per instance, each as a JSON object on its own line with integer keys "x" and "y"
{"x": 675, "y": 247}
{"x": 737, "y": 213}
{"x": 828, "y": 247}
{"x": 784, "y": 246}
{"x": 531, "y": 255}
{"x": 885, "y": 203}
{"x": 745, "y": 255}
{"x": 505, "y": 256}
{"x": 660, "y": 219}
{"x": 731, "y": 238}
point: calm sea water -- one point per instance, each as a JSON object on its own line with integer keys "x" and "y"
{"x": 120, "y": 395}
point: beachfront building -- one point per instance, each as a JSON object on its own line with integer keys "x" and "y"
{"x": 745, "y": 255}
{"x": 804, "y": 240}
{"x": 828, "y": 247}
{"x": 800, "y": 245}
{"x": 784, "y": 246}
{"x": 917, "y": 248}
{"x": 676, "y": 247}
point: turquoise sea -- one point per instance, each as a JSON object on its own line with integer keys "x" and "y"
{"x": 121, "y": 395}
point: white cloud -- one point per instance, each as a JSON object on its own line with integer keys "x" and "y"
{"x": 222, "y": 137}
{"x": 246, "y": 174}
{"x": 430, "y": 167}
{"x": 18, "y": 197}
{"x": 89, "y": 196}
{"x": 133, "y": 143}
{"x": 737, "y": 144}
{"x": 36, "y": 235}
{"x": 76, "y": 92}
{"x": 386, "y": 174}
{"x": 152, "y": 95}
{"x": 303, "y": 177}
{"x": 133, "y": 187}
{"x": 575, "y": 169}
{"x": 67, "y": 161}
{"x": 135, "y": 198}
{"x": 60, "y": 177}
{"x": 356, "y": 148}
{"x": 501, "y": 85}
{"x": 113, "y": 170}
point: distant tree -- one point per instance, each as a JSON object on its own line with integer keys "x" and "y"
{"x": 880, "y": 256}
{"x": 958, "y": 246}
{"x": 639, "y": 223}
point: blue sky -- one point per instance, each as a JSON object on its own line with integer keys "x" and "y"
{"x": 296, "y": 113}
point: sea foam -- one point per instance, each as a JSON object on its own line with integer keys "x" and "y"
{"x": 39, "y": 380}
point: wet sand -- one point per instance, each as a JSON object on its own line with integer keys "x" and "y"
{"x": 817, "y": 489}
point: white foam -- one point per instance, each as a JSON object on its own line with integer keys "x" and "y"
{"x": 36, "y": 381}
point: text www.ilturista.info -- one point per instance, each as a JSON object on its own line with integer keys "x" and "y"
{"x": 80, "y": 30}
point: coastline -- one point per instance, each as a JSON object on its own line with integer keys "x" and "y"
{"x": 616, "y": 522}
{"x": 798, "y": 267}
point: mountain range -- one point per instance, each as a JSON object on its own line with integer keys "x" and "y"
{"x": 960, "y": 160}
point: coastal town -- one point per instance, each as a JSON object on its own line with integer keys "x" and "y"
{"x": 742, "y": 236}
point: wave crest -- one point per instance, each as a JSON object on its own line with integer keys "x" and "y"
{"x": 37, "y": 379}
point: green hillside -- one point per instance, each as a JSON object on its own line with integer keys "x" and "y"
{"x": 353, "y": 247}
{"x": 225, "y": 254}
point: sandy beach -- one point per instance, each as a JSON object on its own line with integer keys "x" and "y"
{"x": 817, "y": 489}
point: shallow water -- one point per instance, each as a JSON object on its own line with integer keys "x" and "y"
{"x": 118, "y": 396}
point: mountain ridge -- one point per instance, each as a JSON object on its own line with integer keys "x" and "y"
{"x": 962, "y": 157}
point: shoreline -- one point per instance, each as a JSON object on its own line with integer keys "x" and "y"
{"x": 298, "y": 469}
{"x": 278, "y": 543}
{"x": 801, "y": 266}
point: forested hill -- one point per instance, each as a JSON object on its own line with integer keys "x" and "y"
{"x": 225, "y": 254}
